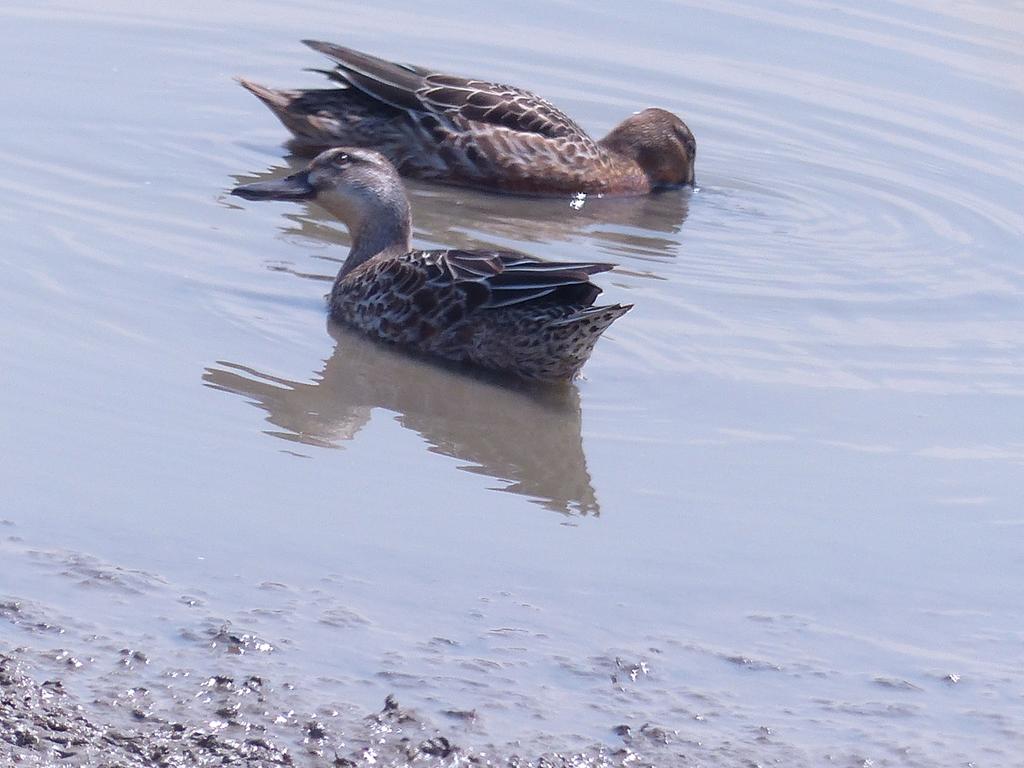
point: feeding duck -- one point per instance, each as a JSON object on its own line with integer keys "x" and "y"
{"x": 479, "y": 134}
{"x": 501, "y": 310}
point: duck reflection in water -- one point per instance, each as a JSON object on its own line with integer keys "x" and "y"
{"x": 527, "y": 436}
{"x": 642, "y": 229}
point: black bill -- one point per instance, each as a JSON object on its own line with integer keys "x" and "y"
{"x": 294, "y": 187}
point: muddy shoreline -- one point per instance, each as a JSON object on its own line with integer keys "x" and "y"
{"x": 238, "y": 722}
{"x": 106, "y": 665}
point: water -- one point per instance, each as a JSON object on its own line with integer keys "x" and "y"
{"x": 780, "y": 518}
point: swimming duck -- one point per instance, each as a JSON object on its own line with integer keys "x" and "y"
{"x": 479, "y": 134}
{"x": 497, "y": 309}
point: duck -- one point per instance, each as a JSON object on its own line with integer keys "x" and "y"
{"x": 499, "y": 310}
{"x": 474, "y": 133}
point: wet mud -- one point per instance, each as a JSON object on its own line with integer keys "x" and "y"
{"x": 233, "y": 721}
{"x": 102, "y": 664}
{"x": 79, "y": 689}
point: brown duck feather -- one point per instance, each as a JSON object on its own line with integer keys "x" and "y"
{"x": 418, "y": 89}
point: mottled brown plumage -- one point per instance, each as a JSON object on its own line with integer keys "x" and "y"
{"x": 498, "y": 309}
{"x": 476, "y": 133}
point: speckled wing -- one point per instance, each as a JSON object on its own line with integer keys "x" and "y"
{"x": 509, "y": 278}
{"x": 419, "y": 90}
{"x": 417, "y": 296}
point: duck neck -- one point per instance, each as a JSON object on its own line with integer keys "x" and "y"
{"x": 623, "y": 166}
{"x": 376, "y": 237}
{"x": 375, "y": 227}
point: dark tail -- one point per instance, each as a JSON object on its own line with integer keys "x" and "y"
{"x": 577, "y": 334}
{"x": 276, "y": 100}
{"x": 593, "y": 321}
{"x": 306, "y": 113}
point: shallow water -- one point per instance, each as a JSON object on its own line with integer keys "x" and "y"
{"x": 780, "y": 517}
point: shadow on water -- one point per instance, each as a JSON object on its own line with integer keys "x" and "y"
{"x": 527, "y": 436}
{"x": 644, "y": 227}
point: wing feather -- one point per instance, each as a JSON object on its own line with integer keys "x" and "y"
{"x": 431, "y": 298}
{"x": 511, "y": 278}
{"x": 417, "y": 89}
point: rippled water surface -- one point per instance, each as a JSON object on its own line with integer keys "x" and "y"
{"x": 781, "y": 516}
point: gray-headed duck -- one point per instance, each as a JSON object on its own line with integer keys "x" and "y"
{"x": 501, "y": 310}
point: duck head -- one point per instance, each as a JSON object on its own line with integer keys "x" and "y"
{"x": 353, "y": 184}
{"x": 660, "y": 143}
{"x": 359, "y": 186}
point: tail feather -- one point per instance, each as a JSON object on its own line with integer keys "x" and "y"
{"x": 574, "y": 338}
{"x": 548, "y": 344}
{"x": 598, "y": 317}
{"x": 276, "y": 100}
{"x": 314, "y": 116}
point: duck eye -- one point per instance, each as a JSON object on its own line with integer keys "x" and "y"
{"x": 337, "y": 159}
{"x": 687, "y": 140}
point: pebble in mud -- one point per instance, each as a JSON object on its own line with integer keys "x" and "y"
{"x": 238, "y": 643}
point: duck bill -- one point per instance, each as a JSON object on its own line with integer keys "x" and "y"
{"x": 294, "y": 187}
